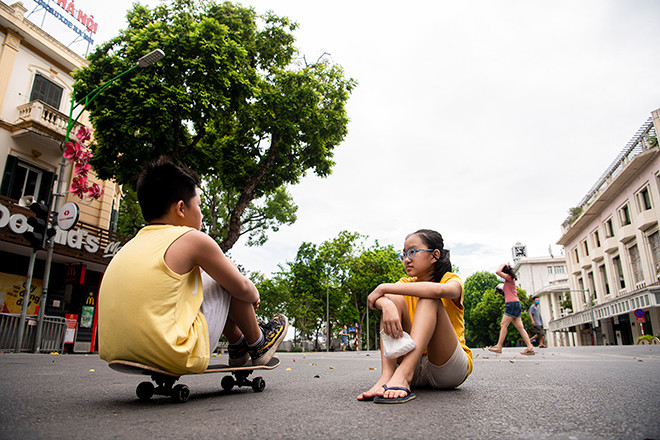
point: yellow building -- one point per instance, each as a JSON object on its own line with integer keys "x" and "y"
{"x": 35, "y": 99}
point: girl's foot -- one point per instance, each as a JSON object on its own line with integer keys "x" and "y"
{"x": 528, "y": 352}
{"x": 495, "y": 349}
{"x": 396, "y": 382}
{"x": 376, "y": 390}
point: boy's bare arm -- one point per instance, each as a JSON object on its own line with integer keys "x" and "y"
{"x": 195, "y": 248}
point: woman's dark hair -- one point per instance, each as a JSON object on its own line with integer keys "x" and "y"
{"x": 162, "y": 184}
{"x": 509, "y": 271}
{"x": 434, "y": 241}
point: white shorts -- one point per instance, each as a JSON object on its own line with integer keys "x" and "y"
{"x": 215, "y": 308}
{"x": 450, "y": 375}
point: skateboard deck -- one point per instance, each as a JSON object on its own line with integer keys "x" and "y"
{"x": 165, "y": 380}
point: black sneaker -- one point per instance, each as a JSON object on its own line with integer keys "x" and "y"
{"x": 274, "y": 333}
{"x": 238, "y": 354}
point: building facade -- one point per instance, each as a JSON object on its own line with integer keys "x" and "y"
{"x": 612, "y": 248}
{"x": 35, "y": 99}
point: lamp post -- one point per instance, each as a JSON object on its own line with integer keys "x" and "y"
{"x": 144, "y": 61}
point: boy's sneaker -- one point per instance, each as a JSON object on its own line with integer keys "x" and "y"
{"x": 238, "y": 354}
{"x": 274, "y": 332}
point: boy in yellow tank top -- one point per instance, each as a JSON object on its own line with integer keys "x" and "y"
{"x": 170, "y": 292}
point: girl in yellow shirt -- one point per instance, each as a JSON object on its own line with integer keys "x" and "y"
{"x": 429, "y": 306}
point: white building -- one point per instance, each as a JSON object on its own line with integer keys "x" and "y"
{"x": 612, "y": 245}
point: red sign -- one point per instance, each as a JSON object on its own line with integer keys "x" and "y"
{"x": 71, "y": 326}
{"x": 641, "y": 320}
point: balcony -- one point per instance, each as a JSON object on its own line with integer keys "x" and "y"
{"x": 610, "y": 245}
{"x": 646, "y": 219}
{"x": 626, "y": 233}
{"x": 36, "y": 119}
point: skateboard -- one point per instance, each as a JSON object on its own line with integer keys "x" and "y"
{"x": 165, "y": 380}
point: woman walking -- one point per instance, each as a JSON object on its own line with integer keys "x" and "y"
{"x": 512, "y": 311}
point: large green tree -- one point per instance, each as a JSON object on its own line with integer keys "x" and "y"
{"x": 229, "y": 100}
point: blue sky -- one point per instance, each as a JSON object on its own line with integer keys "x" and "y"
{"x": 485, "y": 120}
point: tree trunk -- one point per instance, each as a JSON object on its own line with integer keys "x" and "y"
{"x": 247, "y": 195}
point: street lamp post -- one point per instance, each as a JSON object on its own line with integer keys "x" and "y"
{"x": 143, "y": 62}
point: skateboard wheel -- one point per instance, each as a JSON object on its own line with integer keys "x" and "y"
{"x": 145, "y": 390}
{"x": 227, "y": 383}
{"x": 180, "y": 393}
{"x": 258, "y": 384}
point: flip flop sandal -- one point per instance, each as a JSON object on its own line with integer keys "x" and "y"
{"x": 495, "y": 350}
{"x": 409, "y": 396}
{"x": 528, "y": 352}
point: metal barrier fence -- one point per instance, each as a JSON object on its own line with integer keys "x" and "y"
{"x": 52, "y": 338}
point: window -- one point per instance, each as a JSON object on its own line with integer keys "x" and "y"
{"x": 604, "y": 280}
{"x": 592, "y": 288}
{"x": 624, "y": 215}
{"x": 618, "y": 271}
{"x": 654, "y": 244}
{"x": 585, "y": 248}
{"x": 46, "y": 91}
{"x": 609, "y": 228}
{"x": 581, "y": 292}
{"x": 550, "y": 270}
{"x": 644, "y": 199}
{"x": 595, "y": 237}
{"x": 560, "y": 269}
{"x": 21, "y": 179}
{"x": 576, "y": 256}
{"x": 636, "y": 263}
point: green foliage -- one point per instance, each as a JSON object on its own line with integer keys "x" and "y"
{"x": 574, "y": 214}
{"x": 130, "y": 219}
{"x": 343, "y": 268}
{"x": 475, "y": 287}
{"x": 267, "y": 213}
{"x": 228, "y": 100}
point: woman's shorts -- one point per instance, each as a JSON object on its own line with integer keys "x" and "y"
{"x": 513, "y": 309}
{"x": 449, "y": 375}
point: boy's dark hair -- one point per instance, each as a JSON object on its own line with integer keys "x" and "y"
{"x": 162, "y": 184}
{"x": 434, "y": 240}
{"x": 509, "y": 271}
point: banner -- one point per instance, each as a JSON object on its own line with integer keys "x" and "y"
{"x": 13, "y": 290}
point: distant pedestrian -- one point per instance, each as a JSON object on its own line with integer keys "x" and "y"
{"x": 344, "y": 338}
{"x": 512, "y": 311}
{"x": 428, "y": 304}
{"x": 537, "y": 321}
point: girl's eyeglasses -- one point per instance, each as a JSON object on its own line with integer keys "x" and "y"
{"x": 411, "y": 253}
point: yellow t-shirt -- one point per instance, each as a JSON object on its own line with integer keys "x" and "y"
{"x": 454, "y": 312}
{"x": 147, "y": 312}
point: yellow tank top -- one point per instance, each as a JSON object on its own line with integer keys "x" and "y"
{"x": 147, "y": 312}
{"x": 454, "y": 312}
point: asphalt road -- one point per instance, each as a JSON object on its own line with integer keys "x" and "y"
{"x": 561, "y": 393}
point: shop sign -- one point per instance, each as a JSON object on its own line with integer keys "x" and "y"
{"x": 68, "y": 9}
{"x": 75, "y": 239}
{"x": 71, "y": 326}
{"x": 13, "y": 292}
